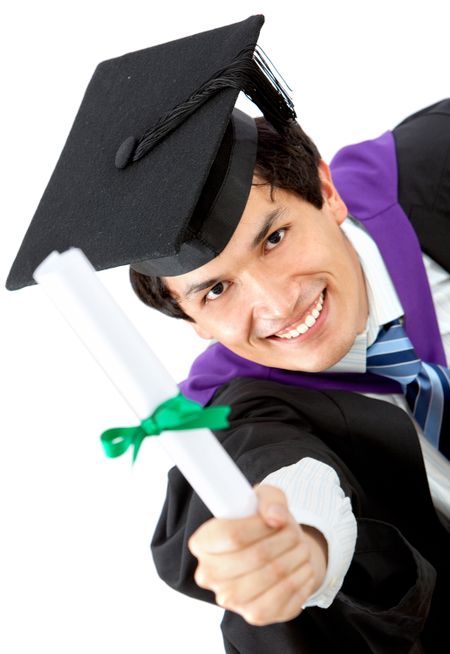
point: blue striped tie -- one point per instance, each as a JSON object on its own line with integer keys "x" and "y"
{"x": 425, "y": 385}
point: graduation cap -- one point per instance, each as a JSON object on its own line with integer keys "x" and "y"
{"x": 157, "y": 168}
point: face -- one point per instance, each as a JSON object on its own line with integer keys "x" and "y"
{"x": 288, "y": 290}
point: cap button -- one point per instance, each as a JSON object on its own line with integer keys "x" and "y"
{"x": 125, "y": 152}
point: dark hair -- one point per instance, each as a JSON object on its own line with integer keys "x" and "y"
{"x": 289, "y": 161}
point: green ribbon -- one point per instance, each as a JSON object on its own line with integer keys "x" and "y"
{"x": 173, "y": 414}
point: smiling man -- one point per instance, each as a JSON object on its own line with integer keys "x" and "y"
{"x": 288, "y": 289}
{"x": 313, "y": 285}
{"x": 301, "y": 287}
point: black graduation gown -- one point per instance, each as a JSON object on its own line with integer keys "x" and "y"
{"x": 395, "y": 593}
{"x": 397, "y": 590}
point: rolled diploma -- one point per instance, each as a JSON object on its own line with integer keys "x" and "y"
{"x": 71, "y": 282}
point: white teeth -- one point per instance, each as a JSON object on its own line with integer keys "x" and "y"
{"x": 309, "y": 321}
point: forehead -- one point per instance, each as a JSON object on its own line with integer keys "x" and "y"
{"x": 262, "y": 208}
{"x": 263, "y": 205}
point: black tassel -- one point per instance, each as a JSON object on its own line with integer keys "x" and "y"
{"x": 251, "y": 73}
{"x": 266, "y": 91}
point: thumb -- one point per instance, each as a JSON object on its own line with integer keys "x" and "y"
{"x": 272, "y": 505}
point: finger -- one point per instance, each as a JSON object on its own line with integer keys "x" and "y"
{"x": 285, "y": 598}
{"x": 217, "y": 568}
{"x": 294, "y": 606}
{"x": 272, "y": 505}
{"x": 250, "y": 586}
{"x": 219, "y": 535}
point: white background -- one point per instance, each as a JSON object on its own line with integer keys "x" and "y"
{"x": 76, "y": 573}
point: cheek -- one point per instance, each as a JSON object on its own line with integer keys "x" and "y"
{"x": 307, "y": 253}
{"x": 229, "y": 322}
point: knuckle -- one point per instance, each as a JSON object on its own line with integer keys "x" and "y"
{"x": 305, "y": 591}
{"x": 304, "y": 551}
{"x": 192, "y": 545}
{"x": 235, "y": 536}
{"x": 200, "y": 536}
{"x": 293, "y": 613}
{"x": 224, "y": 599}
{"x": 307, "y": 549}
{"x": 261, "y": 554}
{"x": 309, "y": 584}
{"x": 278, "y": 569}
{"x": 294, "y": 534}
{"x": 255, "y": 616}
{"x": 290, "y": 585}
{"x": 201, "y": 577}
{"x": 198, "y": 577}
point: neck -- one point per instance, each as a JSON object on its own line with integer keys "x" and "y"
{"x": 363, "y": 296}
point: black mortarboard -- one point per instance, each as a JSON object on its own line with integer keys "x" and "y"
{"x": 157, "y": 168}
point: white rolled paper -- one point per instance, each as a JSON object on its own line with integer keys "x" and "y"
{"x": 70, "y": 280}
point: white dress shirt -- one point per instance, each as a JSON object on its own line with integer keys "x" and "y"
{"x": 312, "y": 488}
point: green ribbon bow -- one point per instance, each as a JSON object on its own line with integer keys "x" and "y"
{"x": 173, "y": 414}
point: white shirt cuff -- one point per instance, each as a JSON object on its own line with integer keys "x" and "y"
{"x": 316, "y": 499}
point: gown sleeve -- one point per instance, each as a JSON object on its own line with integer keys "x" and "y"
{"x": 386, "y": 595}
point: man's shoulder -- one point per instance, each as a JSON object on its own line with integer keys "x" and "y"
{"x": 322, "y": 411}
{"x": 355, "y": 427}
{"x": 365, "y": 175}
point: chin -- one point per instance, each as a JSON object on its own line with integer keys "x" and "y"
{"x": 315, "y": 362}
{"x": 309, "y": 367}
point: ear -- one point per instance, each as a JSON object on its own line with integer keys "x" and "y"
{"x": 201, "y": 331}
{"x": 330, "y": 194}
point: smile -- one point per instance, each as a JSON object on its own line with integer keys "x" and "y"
{"x": 297, "y": 329}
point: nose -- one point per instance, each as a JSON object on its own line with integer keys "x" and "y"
{"x": 269, "y": 297}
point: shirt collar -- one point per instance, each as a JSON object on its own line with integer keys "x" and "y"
{"x": 382, "y": 297}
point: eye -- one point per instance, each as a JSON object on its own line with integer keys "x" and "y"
{"x": 274, "y": 239}
{"x": 216, "y": 291}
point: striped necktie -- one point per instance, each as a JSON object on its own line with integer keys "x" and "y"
{"x": 426, "y": 385}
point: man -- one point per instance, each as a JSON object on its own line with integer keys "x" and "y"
{"x": 265, "y": 285}
{"x": 268, "y": 270}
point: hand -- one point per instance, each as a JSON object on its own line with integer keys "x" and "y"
{"x": 263, "y": 567}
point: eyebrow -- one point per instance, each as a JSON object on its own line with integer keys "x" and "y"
{"x": 270, "y": 219}
{"x": 260, "y": 236}
{"x": 196, "y": 288}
